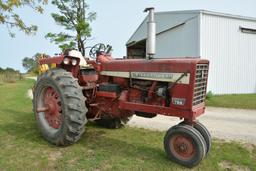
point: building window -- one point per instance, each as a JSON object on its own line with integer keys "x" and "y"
{"x": 248, "y": 30}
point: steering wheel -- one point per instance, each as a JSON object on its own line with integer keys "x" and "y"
{"x": 100, "y": 47}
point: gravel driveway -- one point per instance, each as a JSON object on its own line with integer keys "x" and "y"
{"x": 223, "y": 123}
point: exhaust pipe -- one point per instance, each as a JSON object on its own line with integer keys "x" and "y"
{"x": 151, "y": 35}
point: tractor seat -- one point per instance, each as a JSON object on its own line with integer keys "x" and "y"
{"x": 77, "y": 54}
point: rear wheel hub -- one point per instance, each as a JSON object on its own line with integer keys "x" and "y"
{"x": 52, "y": 103}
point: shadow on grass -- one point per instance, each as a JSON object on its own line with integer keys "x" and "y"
{"x": 121, "y": 146}
{"x": 24, "y": 131}
{"x": 22, "y": 127}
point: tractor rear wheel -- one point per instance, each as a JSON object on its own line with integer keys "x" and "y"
{"x": 59, "y": 107}
{"x": 184, "y": 145}
{"x": 107, "y": 121}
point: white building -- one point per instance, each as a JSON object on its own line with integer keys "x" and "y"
{"x": 228, "y": 41}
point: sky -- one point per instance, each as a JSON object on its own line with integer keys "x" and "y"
{"x": 116, "y": 21}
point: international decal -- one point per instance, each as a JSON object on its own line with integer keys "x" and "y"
{"x": 152, "y": 75}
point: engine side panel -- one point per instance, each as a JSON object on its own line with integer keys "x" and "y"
{"x": 162, "y": 86}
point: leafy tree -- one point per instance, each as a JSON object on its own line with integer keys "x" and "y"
{"x": 8, "y": 69}
{"x": 74, "y": 18}
{"x": 11, "y": 19}
{"x": 31, "y": 63}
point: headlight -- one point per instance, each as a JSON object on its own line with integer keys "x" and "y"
{"x": 66, "y": 61}
{"x": 74, "y": 62}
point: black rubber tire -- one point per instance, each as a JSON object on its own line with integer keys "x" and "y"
{"x": 206, "y": 134}
{"x": 72, "y": 106}
{"x": 113, "y": 123}
{"x": 197, "y": 141}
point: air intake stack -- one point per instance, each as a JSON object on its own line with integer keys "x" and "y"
{"x": 151, "y": 35}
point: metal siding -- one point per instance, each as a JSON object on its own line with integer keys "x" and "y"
{"x": 232, "y": 54}
{"x": 164, "y": 21}
{"x": 182, "y": 41}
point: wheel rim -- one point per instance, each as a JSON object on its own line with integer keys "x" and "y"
{"x": 53, "y": 103}
{"x": 182, "y": 147}
{"x": 50, "y": 106}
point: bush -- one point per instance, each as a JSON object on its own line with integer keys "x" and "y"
{"x": 209, "y": 95}
{"x": 9, "y": 75}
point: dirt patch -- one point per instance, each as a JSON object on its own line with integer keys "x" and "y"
{"x": 226, "y": 165}
{"x": 54, "y": 156}
{"x": 249, "y": 147}
{"x": 73, "y": 161}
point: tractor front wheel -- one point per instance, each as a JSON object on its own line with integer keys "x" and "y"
{"x": 204, "y": 132}
{"x": 59, "y": 107}
{"x": 184, "y": 145}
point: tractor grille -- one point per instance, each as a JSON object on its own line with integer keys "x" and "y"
{"x": 200, "y": 84}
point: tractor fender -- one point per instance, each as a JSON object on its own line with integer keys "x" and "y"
{"x": 57, "y": 60}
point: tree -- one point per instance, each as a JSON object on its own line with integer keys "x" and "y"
{"x": 8, "y": 69}
{"x": 31, "y": 63}
{"x": 74, "y": 18}
{"x": 11, "y": 19}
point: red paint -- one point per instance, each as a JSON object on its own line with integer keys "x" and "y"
{"x": 57, "y": 60}
{"x": 106, "y": 94}
{"x": 85, "y": 79}
{"x": 121, "y": 81}
{"x": 53, "y": 110}
{"x": 182, "y": 147}
{"x": 137, "y": 95}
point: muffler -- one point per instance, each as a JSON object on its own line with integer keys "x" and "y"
{"x": 151, "y": 34}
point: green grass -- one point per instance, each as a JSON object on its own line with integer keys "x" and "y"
{"x": 242, "y": 101}
{"x": 30, "y": 74}
{"x": 23, "y": 148}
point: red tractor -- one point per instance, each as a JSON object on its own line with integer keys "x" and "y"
{"x": 109, "y": 91}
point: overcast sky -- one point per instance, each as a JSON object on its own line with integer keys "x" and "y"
{"x": 116, "y": 22}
